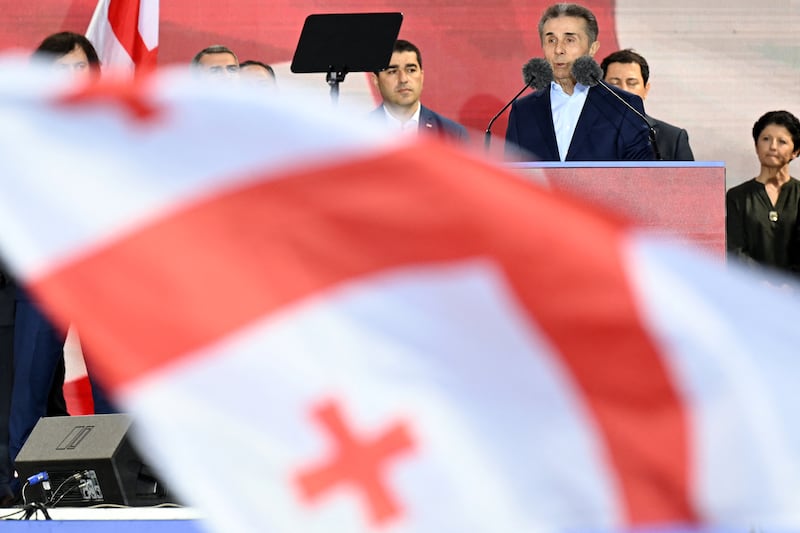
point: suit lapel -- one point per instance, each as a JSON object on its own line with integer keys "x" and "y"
{"x": 543, "y": 118}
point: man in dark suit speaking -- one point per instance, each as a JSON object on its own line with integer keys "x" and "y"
{"x": 568, "y": 121}
{"x": 400, "y": 86}
{"x": 630, "y": 72}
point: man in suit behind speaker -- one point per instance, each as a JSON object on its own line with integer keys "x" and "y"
{"x": 400, "y": 86}
{"x": 630, "y": 72}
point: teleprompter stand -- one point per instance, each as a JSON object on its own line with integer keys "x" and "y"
{"x": 340, "y": 43}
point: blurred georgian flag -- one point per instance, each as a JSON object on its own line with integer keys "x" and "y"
{"x": 319, "y": 327}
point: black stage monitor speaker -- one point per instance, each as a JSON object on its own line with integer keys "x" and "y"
{"x": 89, "y": 461}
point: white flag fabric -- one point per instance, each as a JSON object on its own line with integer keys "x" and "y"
{"x": 318, "y": 329}
{"x": 125, "y": 34}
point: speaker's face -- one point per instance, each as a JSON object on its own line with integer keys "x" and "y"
{"x": 565, "y": 39}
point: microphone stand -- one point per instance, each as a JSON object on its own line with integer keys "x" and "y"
{"x": 651, "y": 131}
{"x": 487, "y": 137}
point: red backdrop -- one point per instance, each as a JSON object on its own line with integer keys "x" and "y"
{"x": 473, "y": 51}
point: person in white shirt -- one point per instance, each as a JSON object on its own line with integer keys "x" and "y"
{"x": 400, "y": 87}
{"x": 567, "y": 121}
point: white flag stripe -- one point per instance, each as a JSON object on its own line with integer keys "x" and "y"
{"x": 75, "y": 367}
{"x": 180, "y": 152}
{"x": 98, "y": 32}
{"x": 741, "y": 403}
{"x": 112, "y": 54}
{"x": 116, "y": 55}
{"x": 556, "y": 477}
{"x": 491, "y": 430}
{"x": 148, "y": 11}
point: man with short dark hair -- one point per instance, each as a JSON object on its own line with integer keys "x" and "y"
{"x": 400, "y": 86}
{"x": 630, "y": 72}
{"x": 568, "y": 121}
{"x": 216, "y": 62}
{"x": 257, "y": 73}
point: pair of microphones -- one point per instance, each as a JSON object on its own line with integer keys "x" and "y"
{"x": 537, "y": 73}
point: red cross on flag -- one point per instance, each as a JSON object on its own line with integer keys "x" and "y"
{"x": 125, "y": 34}
{"x": 322, "y": 328}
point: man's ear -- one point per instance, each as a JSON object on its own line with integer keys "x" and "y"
{"x": 595, "y": 46}
{"x": 646, "y": 90}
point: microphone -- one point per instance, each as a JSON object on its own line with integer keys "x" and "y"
{"x": 587, "y": 72}
{"x": 535, "y": 73}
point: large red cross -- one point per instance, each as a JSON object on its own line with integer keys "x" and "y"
{"x": 356, "y": 461}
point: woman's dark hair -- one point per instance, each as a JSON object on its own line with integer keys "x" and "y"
{"x": 62, "y": 43}
{"x": 779, "y": 118}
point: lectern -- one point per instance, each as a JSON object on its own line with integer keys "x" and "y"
{"x": 683, "y": 198}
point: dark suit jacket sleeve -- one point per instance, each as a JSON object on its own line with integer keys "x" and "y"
{"x": 453, "y": 130}
{"x": 511, "y": 147}
{"x": 530, "y": 135}
{"x": 673, "y": 142}
{"x": 610, "y": 130}
{"x": 683, "y": 152}
{"x": 635, "y": 133}
{"x": 512, "y": 136}
{"x": 433, "y": 121}
{"x": 459, "y": 132}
